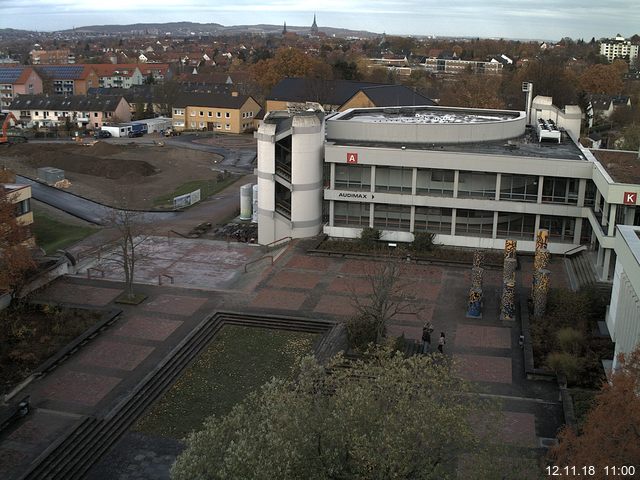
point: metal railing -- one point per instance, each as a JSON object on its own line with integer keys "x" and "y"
{"x": 275, "y": 243}
{"x": 573, "y": 250}
{"x": 257, "y": 260}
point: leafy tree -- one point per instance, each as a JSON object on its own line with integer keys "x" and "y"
{"x": 383, "y": 417}
{"x": 369, "y": 236}
{"x": 606, "y": 79}
{"x": 422, "y": 242}
{"x": 471, "y": 90}
{"x": 149, "y": 113}
{"x": 611, "y": 432}
{"x": 140, "y": 110}
{"x": 149, "y": 80}
{"x": 288, "y": 62}
{"x": 15, "y": 255}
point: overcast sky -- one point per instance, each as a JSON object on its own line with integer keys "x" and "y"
{"x": 539, "y": 19}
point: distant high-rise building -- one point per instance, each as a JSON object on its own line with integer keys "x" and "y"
{"x": 618, "y": 47}
{"x": 314, "y": 26}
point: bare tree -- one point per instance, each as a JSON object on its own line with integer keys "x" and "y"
{"x": 388, "y": 297}
{"x": 128, "y": 255}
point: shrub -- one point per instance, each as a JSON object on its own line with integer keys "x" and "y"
{"x": 564, "y": 363}
{"x": 570, "y": 340}
{"x": 369, "y": 237}
{"x": 422, "y": 242}
{"x": 361, "y": 331}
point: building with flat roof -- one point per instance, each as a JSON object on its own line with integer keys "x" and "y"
{"x": 619, "y": 47}
{"x": 474, "y": 177}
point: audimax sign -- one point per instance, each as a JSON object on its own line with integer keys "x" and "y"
{"x": 357, "y": 195}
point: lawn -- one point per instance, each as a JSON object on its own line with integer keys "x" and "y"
{"x": 237, "y": 362}
{"x": 52, "y": 235}
{"x": 207, "y": 188}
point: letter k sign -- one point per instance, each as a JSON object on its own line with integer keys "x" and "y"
{"x": 352, "y": 158}
{"x": 630, "y": 198}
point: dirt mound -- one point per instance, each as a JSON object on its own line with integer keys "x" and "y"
{"x": 86, "y": 160}
{"x": 104, "y": 149}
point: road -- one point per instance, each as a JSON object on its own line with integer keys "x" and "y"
{"x": 84, "y": 208}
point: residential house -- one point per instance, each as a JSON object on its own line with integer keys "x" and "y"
{"x": 601, "y": 106}
{"x": 61, "y": 56}
{"x": 215, "y": 112}
{"x": 159, "y": 71}
{"x": 451, "y": 64}
{"x": 338, "y": 95}
{"x": 90, "y": 112}
{"x": 20, "y": 196}
{"x": 118, "y": 76}
{"x": 67, "y": 79}
{"x": 15, "y": 81}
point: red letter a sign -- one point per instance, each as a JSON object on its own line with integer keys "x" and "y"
{"x": 352, "y": 158}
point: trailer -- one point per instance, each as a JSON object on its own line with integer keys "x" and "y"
{"x": 117, "y": 130}
{"x": 154, "y": 125}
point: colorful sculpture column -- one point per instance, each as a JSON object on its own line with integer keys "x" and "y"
{"x": 474, "y": 309}
{"x": 541, "y": 292}
{"x": 507, "y": 301}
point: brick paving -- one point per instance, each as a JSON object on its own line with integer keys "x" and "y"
{"x": 297, "y": 284}
{"x": 147, "y": 328}
{"x": 108, "y": 354}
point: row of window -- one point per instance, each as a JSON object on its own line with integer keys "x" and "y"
{"x": 521, "y": 188}
{"x": 180, "y": 112}
{"x": 213, "y": 126}
{"x": 475, "y": 223}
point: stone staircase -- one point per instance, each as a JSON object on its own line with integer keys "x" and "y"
{"x": 582, "y": 274}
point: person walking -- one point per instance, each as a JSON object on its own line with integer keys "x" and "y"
{"x": 426, "y": 337}
{"x": 441, "y": 342}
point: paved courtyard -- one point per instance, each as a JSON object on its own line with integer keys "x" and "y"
{"x": 92, "y": 381}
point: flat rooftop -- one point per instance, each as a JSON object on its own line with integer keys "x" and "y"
{"x": 526, "y": 145}
{"x": 427, "y": 115}
{"x": 622, "y": 166}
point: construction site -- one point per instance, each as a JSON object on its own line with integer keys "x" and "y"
{"x": 132, "y": 175}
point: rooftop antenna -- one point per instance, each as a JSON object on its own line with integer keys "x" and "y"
{"x": 527, "y": 87}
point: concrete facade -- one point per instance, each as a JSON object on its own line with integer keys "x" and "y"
{"x": 619, "y": 47}
{"x": 623, "y": 315}
{"x": 290, "y": 191}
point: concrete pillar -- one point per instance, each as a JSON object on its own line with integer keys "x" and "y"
{"x": 498, "y": 181}
{"x": 540, "y": 184}
{"x": 605, "y": 214}
{"x": 606, "y": 264}
{"x": 412, "y": 221}
{"x": 456, "y": 179}
{"x": 596, "y": 201}
{"x": 494, "y": 232}
{"x": 582, "y": 190}
{"x": 536, "y": 225}
{"x": 414, "y": 182}
{"x": 332, "y": 179}
{"x": 373, "y": 179}
{"x": 453, "y": 221}
{"x": 577, "y": 231}
{"x": 612, "y": 219}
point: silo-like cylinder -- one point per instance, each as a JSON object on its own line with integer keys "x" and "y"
{"x": 254, "y": 205}
{"x": 246, "y": 192}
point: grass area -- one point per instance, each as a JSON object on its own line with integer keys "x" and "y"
{"x": 583, "y": 401}
{"x": 30, "y": 334}
{"x": 52, "y": 235}
{"x": 237, "y": 362}
{"x": 207, "y": 188}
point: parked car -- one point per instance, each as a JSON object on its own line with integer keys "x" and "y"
{"x": 102, "y": 134}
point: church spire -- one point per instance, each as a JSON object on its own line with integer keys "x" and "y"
{"x": 284, "y": 30}
{"x": 314, "y": 26}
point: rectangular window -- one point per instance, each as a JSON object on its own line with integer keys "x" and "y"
{"x": 201, "y": 124}
{"x": 516, "y": 225}
{"x": 192, "y": 113}
{"x": 351, "y": 214}
{"x": 209, "y": 114}
{"x": 435, "y": 182}
{"x": 519, "y": 188}
{"x": 475, "y": 223}
{"x": 218, "y": 115}
{"x": 590, "y": 194}
{"x": 392, "y": 217}
{"x": 477, "y": 185}
{"x": 193, "y": 124}
{"x": 560, "y": 190}
{"x": 95, "y": 114}
{"x": 560, "y": 228}
{"x": 201, "y": 113}
{"x": 178, "y": 111}
{"x": 393, "y": 179}
{"x": 226, "y": 115}
{"x": 433, "y": 220}
{"x": 227, "y": 127}
{"x": 23, "y": 207}
{"x": 353, "y": 177}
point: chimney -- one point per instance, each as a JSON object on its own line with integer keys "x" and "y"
{"x": 234, "y": 94}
